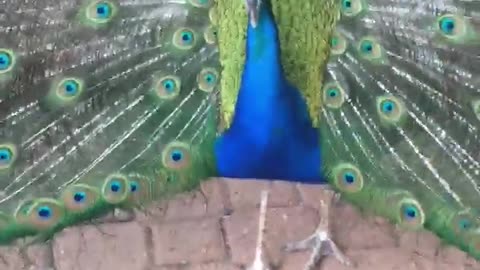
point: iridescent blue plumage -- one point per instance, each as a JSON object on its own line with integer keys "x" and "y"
{"x": 271, "y": 136}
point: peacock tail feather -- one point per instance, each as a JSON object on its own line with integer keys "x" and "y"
{"x": 107, "y": 104}
{"x": 400, "y": 121}
{"x": 103, "y": 104}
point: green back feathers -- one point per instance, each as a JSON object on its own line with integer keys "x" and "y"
{"x": 305, "y": 30}
{"x": 104, "y": 104}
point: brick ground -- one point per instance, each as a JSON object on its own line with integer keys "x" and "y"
{"x": 216, "y": 230}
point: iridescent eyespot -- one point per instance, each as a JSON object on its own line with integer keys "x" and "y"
{"x": 387, "y": 106}
{"x": 210, "y": 35}
{"x": 369, "y": 49}
{"x": 79, "y": 197}
{"x": 167, "y": 87}
{"x": 366, "y": 46}
{"x": 390, "y": 109}
{"x": 7, "y": 155}
{"x": 333, "y": 95}
{"x": 115, "y": 189}
{"x": 411, "y": 214}
{"x": 133, "y": 186}
{"x": 45, "y": 213}
{"x": 351, "y": 7}
{"x": 463, "y": 222}
{"x": 347, "y": 178}
{"x": 176, "y": 155}
{"x": 452, "y": 26}
{"x": 200, "y": 3}
{"x": 141, "y": 189}
{"x": 7, "y": 60}
{"x": 184, "y": 38}
{"x": 338, "y": 44}
{"x": 115, "y": 186}
{"x": 207, "y": 79}
{"x": 67, "y": 91}
{"x": 101, "y": 12}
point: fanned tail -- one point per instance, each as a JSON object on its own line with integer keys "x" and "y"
{"x": 102, "y": 103}
{"x": 401, "y": 113}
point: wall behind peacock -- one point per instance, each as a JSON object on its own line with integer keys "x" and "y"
{"x": 220, "y": 228}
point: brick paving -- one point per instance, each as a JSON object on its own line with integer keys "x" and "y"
{"x": 215, "y": 229}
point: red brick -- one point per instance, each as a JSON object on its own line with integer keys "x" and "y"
{"x": 352, "y": 230}
{"x": 11, "y": 259}
{"x": 283, "y": 225}
{"x": 39, "y": 257}
{"x": 422, "y": 242}
{"x": 186, "y": 205}
{"x": 452, "y": 255}
{"x": 312, "y": 194}
{"x": 218, "y": 198}
{"x": 119, "y": 246}
{"x": 245, "y": 193}
{"x": 283, "y": 194}
{"x": 190, "y": 241}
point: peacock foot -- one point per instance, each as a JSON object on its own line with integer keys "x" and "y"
{"x": 259, "y": 263}
{"x": 320, "y": 242}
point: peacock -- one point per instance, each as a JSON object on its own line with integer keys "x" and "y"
{"x": 114, "y": 104}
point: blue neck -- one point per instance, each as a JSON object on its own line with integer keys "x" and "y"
{"x": 263, "y": 77}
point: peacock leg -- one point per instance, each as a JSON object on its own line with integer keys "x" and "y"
{"x": 259, "y": 263}
{"x": 320, "y": 242}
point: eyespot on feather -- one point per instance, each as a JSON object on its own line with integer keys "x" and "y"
{"x": 101, "y": 12}
{"x": 347, "y": 178}
{"x": 338, "y": 44}
{"x": 351, "y": 8}
{"x": 115, "y": 189}
{"x": 451, "y": 26}
{"x": 64, "y": 92}
{"x": 8, "y": 155}
{"x": 369, "y": 49}
{"x": 79, "y": 198}
{"x": 184, "y": 38}
{"x": 207, "y": 79}
{"x": 7, "y": 60}
{"x": 391, "y": 109}
{"x": 140, "y": 189}
{"x": 167, "y": 87}
{"x": 333, "y": 95}
{"x": 176, "y": 156}
{"x": 463, "y": 222}
{"x": 410, "y": 214}
{"x": 45, "y": 213}
{"x": 210, "y": 35}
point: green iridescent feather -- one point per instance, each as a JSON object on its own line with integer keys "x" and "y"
{"x": 106, "y": 105}
{"x": 115, "y": 104}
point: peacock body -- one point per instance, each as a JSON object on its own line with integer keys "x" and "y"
{"x": 108, "y": 104}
